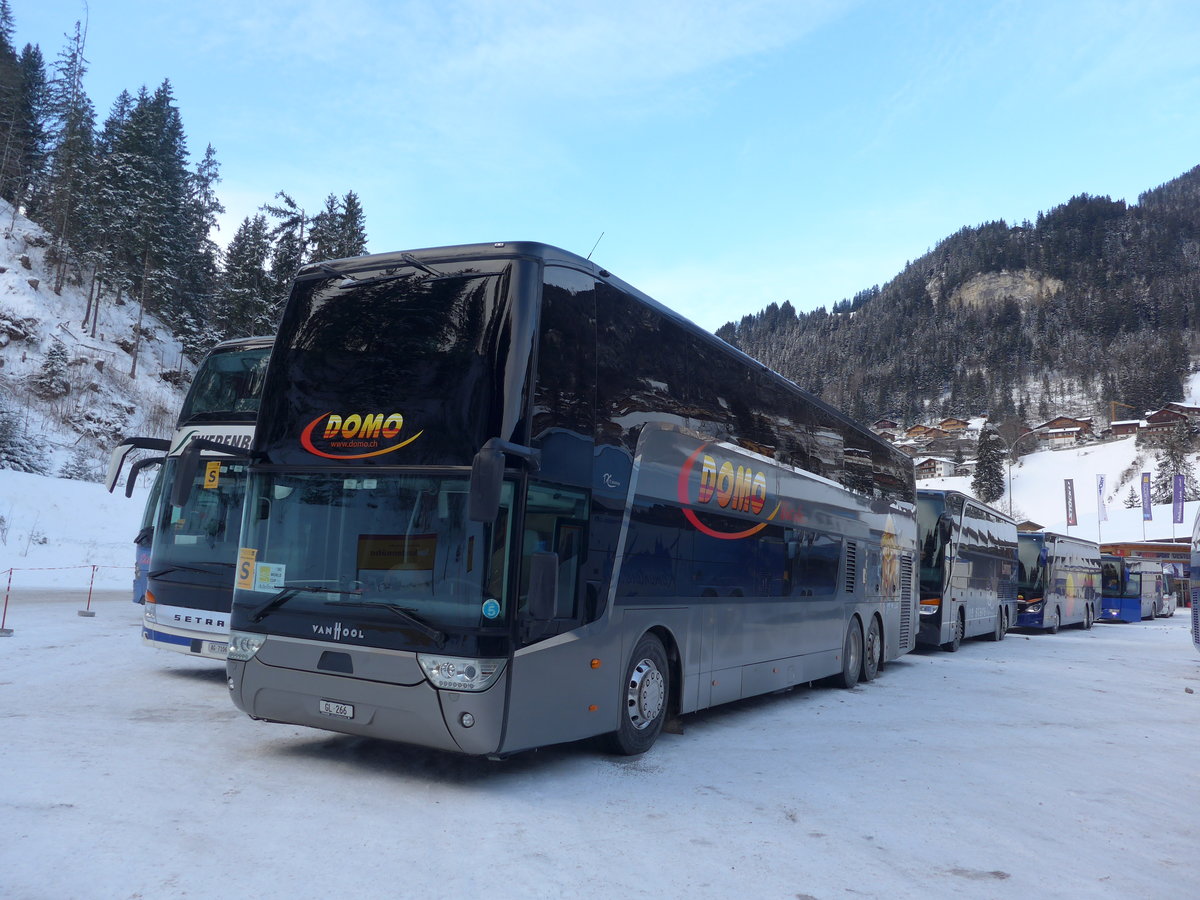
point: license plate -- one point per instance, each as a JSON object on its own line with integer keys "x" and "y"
{"x": 217, "y": 648}
{"x": 336, "y": 709}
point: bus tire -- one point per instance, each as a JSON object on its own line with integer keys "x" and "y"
{"x": 960, "y": 626}
{"x": 852, "y": 651}
{"x": 872, "y": 651}
{"x": 998, "y": 633}
{"x": 1053, "y": 627}
{"x": 643, "y": 700}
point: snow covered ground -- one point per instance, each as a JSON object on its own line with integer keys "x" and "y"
{"x": 1039, "y": 767}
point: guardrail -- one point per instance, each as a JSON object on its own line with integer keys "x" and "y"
{"x": 86, "y": 611}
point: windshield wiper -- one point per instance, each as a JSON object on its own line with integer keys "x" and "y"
{"x": 417, "y": 264}
{"x": 403, "y": 612}
{"x": 260, "y": 613}
{"x": 182, "y": 568}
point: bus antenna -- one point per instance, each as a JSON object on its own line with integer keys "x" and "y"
{"x": 595, "y": 245}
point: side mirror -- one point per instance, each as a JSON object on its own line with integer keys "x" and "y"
{"x": 123, "y": 449}
{"x": 487, "y": 475}
{"x": 543, "y": 586}
{"x": 185, "y": 473}
{"x": 136, "y": 470}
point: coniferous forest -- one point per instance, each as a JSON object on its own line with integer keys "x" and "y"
{"x": 1095, "y": 303}
{"x": 130, "y": 213}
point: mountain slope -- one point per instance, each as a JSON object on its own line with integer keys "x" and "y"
{"x": 69, "y": 391}
{"x": 1095, "y": 302}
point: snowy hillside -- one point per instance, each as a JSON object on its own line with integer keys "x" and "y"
{"x": 94, "y": 401}
{"x": 1038, "y": 492}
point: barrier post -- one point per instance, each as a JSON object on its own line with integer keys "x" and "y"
{"x": 88, "y": 611}
{"x": 6, "y": 632}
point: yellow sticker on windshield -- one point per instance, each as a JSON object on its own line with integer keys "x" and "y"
{"x": 245, "y": 568}
{"x": 212, "y": 473}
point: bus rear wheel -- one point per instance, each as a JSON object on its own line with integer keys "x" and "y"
{"x": 852, "y": 653}
{"x": 998, "y": 633}
{"x": 643, "y": 700}
{"x": 872, "y": 651}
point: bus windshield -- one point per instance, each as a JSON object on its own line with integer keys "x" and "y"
{"x": 931, "y": 542}
{"x": 1118, "y": 582}
{"x": 1031, "y": 578}
{"x": 203, "y": 534}
{"x": 428, "y": 354}
{"x": 389, "y": 540}
{"x": 227, "y": 384}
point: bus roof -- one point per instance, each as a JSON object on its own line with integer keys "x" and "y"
{"x": 551, "y": 255}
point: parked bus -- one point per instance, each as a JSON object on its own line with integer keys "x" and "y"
{"x": 188, "y": 551}
{"x": 145, "y": 536}
{"x": 501, "y": 499}
{"x": 1058, "y": 581}
{"x": 1171, "y": 590}
{"x": 1132, "y": 589}
{"x": 1195, "y": 582}
{"x": 968, "y": 558}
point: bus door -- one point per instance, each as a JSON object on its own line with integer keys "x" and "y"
{"x": 553, "y": 666}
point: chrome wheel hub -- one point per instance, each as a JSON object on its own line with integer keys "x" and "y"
{"x": 645, "y": 695}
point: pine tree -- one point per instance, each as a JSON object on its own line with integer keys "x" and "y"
{"x": 1132, "y": 500}
{"x": 988, "y": 481}
{"x": 52, "y": 380}
{"x": 1172, "y": 461}
{"x": 59, "y": 204}
{"x": 80, "y": 467}
{"x": 10, "y": 103}
{"x": 353, "y": 237}
{"x": 324, "y": 236}
{"x": 18, "y": 450}
{"x": 244, "y": 301}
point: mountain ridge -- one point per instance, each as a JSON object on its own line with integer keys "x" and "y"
{"x": 1097, "y": 301}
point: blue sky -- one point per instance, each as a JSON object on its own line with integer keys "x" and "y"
{"x": 732, "y": 153}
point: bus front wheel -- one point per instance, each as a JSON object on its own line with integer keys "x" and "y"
{"x": 644, "y": 695}
{"x": 1052, "y": 628}
{"x": 960, "y": 627}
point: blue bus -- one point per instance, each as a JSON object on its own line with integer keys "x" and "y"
{"x": 501, "y": 499}
{"x": 1058, "y": 581}
{"x": 1132, "y": 589}
{"x": 968, "y": 558}
{"x": 185, "y": 553}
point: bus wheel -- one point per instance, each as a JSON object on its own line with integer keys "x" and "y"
{"x": 1052, "y": 628}
{"x": 959, "y": 627}
{"x": 852, "y": 651}
{"x": 643, "y": 698}
{"x": 998, "y": 634}
{"x": 872, "y": 651}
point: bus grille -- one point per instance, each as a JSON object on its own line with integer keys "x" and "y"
{"x": 851, "y": 566}
{"x": 906, "y": 601}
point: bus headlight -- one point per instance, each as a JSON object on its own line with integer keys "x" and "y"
{"x": 1034, "y": 607}
{"x": 454, "y": 673}
{"x": 242, "y": 645}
